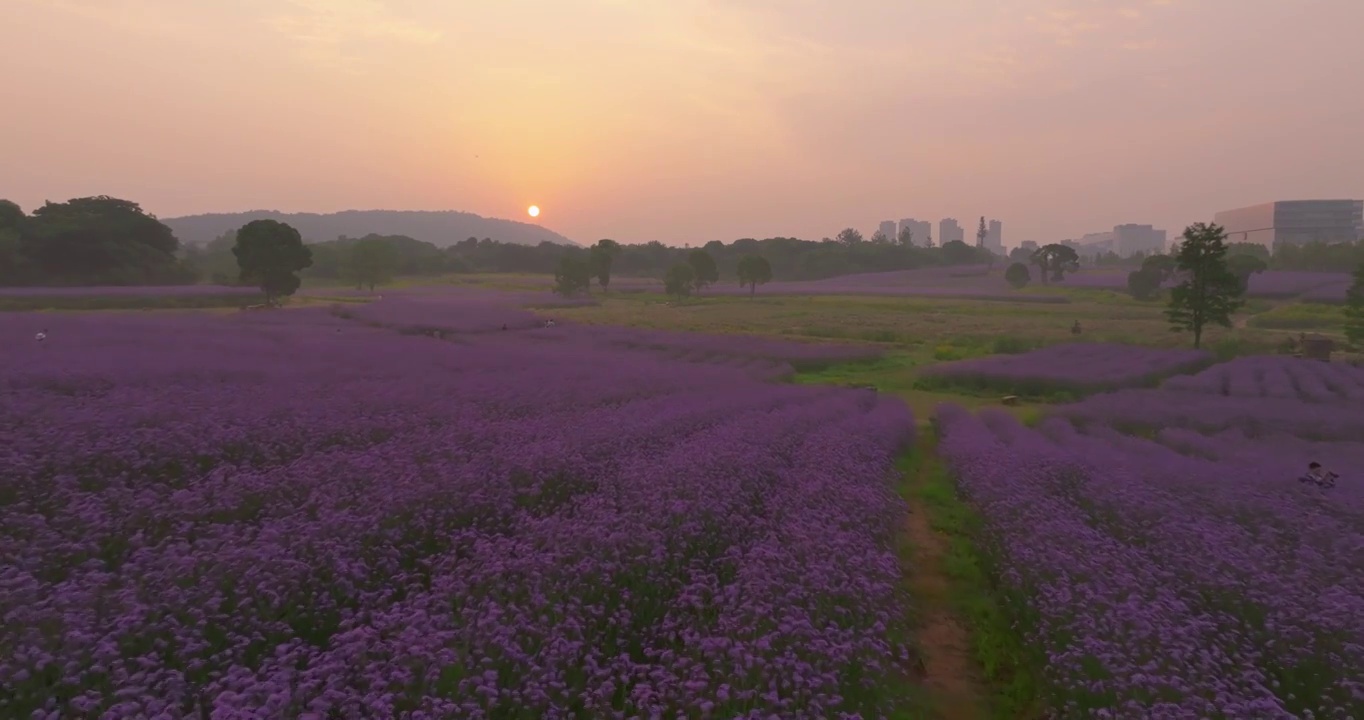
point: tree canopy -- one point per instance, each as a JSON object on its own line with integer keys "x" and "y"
{"x": 703, "y": 269}
{"x": 270, "y": 254}
{"x": 88, "y": 241}
{"x": 574, "y": 274}
{"x": 754, "y": 270}
{"x": 1053, "y": 260}
{"x": 371, "y": 261}
{"x": 603, "y": 256}
{"x": 678, "y": 281}
{"x": 1210, "y": 292}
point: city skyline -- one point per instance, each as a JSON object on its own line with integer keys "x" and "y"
{"x": 689, "y": 120}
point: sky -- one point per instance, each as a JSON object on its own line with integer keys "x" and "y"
{"x": 685, "y": 121}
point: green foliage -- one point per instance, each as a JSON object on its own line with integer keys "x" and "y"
{"x": 1144, "y": 284}
{"x": 89, "y": 241}
{"x": 848, "y": 237}
{"x": 574, "y": 274}
{"x": 678, "y": 282}
{"x": 1162, "y": 267}
{"x": 703, "y": 269}
{"x": 1211, "y": 293}
{"x": 1298, "y": 316}
{"x": 1054, "y": 260}
{"x": 1354, "y": 308}
{"x": 371, "y": 261}
{"x": 957, "y": 252}
{"x": 1243, "y": 266}
{"x": 602, "y": 257}
{"x": 270, "y": 254}
{"x": 10, "y": 215}
{"x": 753, "y": 271}
{"x": 1017, "y": 275}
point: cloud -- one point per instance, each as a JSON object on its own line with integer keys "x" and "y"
{"x": 332, "y": 33}
{"x": 139, "y": 16}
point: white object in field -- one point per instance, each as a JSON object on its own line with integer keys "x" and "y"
{"x": 549, "y": 323}
{"x": 40, "y": 336}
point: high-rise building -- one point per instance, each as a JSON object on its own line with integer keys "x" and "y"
{"x": 887, "y": 228}
{"x": 949, "y": 230}
{"x": 1130, "y": 239}
{"x": 922, "y": 231}
{"x": 1294, "y": 222}
{"x": 994, "y": 237}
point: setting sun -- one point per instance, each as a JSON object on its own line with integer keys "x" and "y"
{"x": 533, "y": 211}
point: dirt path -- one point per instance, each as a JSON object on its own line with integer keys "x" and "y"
{"x": 950, "y": 671}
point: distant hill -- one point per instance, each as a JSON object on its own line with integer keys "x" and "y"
{"x": 440, "y": 228}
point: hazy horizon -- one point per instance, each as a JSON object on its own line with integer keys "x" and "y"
{"x": 690, "y": 120}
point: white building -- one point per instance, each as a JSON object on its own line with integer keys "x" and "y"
{"x": 1130, "y": 239}
{"x": 922, "y": 231}
{"x": 949, "y": 230}
{"x": 1294, "y": 222}
{"x": 887, "y": 228}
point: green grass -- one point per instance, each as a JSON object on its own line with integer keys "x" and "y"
{"x": 1007, "y": 667}
{"x": 1300, "y": 316}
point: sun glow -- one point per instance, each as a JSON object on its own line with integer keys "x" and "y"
{"x": 533, "y": 211}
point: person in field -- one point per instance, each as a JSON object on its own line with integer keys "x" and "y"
{"x": 1319, "y": 476}
{"x": 1075, "y": 329}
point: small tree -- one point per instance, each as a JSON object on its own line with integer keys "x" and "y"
{"x": 879, "y": 238}
{"x": 981, "y": 233}
{"x": 1210, "y": 293}
{"x": 602, "y": 257}
{"x": 1143, "y": 284}
{"x": 956, "y": 252}
{"x": 906, "y": 236}
{"x": 678, "y": 281}
{"x": 1354, "y": 308}
{"x": 754, "y": 270}
{"x": 1017, "y": 275}
{"x": 573, "y": 275}
{"x": 270, "y": 254}
{"x": 703, "y": 269}
{"x": 372, "y": 261}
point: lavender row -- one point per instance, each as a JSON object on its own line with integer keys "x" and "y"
{"x": 1153, "y": 584}
{"x": 301, "y": 515}
{"x": 1276, "y": 376}
{"x": 1085, "y": 367}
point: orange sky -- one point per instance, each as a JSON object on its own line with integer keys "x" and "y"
{"x": 690, "y": 120}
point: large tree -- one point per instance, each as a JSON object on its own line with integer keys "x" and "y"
{"x": 602, "y": 258}
{"x": 574, "y": 274}
{"x": 1243, "y": 266}
{"x": 1354, "y": 308}
{"x": 371, "y": 261}
{"x": 10, "y": 215}
{"x": 754, "y": 270}
{"x": 678, "y": 281}
{"x": 1210, "y": 292}
{"x": 703, "y": 269}
{"x": 270, "y": 254}
{"x": 1017, "y": 275}
{"x": 1054, "y": 259}
{"x": 98, "y": 240}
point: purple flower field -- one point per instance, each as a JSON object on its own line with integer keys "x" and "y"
{"x": 957, "y": 283}
{"x": 1082, "y": 367}
{"x": 1190, "y": 577}
{"x": 292, "y": 515}
{"x": 1276, "y": 376}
